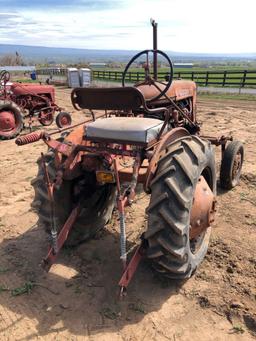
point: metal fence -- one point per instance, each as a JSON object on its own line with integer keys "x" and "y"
{"x": 223, "y": 78}
{"x": 56, "y": 75}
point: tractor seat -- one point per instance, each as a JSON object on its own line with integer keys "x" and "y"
{"x": 133, "y": 129}
{"x": 125, "y": 129}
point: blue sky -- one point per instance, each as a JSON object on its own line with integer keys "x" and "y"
{"x": 220, "y": 26}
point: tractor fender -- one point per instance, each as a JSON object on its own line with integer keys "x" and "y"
{"x": 174, "y": 134}
{"x": 76, "y": 135}
{"x": 76, "y": 138}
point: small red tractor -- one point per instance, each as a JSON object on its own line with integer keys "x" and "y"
{"x": 22, "y": 103}
{"x": 143, "y": 134}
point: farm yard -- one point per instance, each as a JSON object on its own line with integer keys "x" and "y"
{"x": 77, "y": 299}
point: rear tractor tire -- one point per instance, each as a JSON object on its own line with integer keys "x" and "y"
{"x": 11, "y": 120}
{"x": 98, "y": 203}
{"x": 231, "y": 165}
{"x": 179, "y": 228}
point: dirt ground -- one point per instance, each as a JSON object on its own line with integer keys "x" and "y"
{"x": 77, "y": 299}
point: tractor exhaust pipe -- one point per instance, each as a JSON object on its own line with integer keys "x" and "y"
{"x": 154, "y": 25}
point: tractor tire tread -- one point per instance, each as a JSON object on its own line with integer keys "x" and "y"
{"x": 88, "y": 222}
{"x": 168, "y": 219}
{"x": 231, "y": 150}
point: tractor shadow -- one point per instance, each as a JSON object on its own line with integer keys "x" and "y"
{"x": 80, "y": 293}
{"x": 220, "y": 191}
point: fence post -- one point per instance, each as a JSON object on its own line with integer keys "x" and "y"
{"x": 224, "y": 78}
{"x": 207, "y": 78}
{"x": 192, "y": 75}
{"x": 244, "y": 79}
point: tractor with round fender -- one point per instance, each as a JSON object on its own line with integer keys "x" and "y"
{"x": 22, "y": 104}
{"x": 145, "y": 134}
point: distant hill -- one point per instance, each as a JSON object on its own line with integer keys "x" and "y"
{"x": 40, "y": 54}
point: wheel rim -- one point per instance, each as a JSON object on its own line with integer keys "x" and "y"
{"x": 46, "y": 118}
{"x": 202, "y": 214}
{"x": 7, "y": 122}
{"x": 65, "y": 120}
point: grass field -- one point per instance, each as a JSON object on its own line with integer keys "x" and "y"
{"x": 225, "y": 96}
{"x": 216, "y": 76}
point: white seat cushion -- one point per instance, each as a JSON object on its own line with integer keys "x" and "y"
{"x": 134, "y": 129}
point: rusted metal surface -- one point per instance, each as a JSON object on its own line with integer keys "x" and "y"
{"x": 125, "y": 169}
{"x": 203, "y": 208}
{"x": 154, "y": 25}
{"x": 122, "y": 200}
{"x": 131, "y": 267}
{"x": 62, "y": 237}
{"x": 19, "y": 89}
{"x": 179, "y": 90}
{"x": 7, "y": 121}
{"x": 218, "y": 140}
{"x": 29, "y": 138}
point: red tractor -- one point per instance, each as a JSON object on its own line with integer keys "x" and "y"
{"x": 27, "y": 103}
{"x": 143, "y": 134}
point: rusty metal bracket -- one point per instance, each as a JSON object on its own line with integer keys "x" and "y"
{"x": 121, "y": 202}
{"x": 61, "y": 238}
{"x": 219, "y": 141}
{"x": 131, "y": 268}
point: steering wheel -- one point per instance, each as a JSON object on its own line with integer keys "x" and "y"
{"x": 4, "y": 76}
{"x": 149, "y": 80}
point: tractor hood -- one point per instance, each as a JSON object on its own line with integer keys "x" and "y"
{"x": 179, "y": 89}
{"x": 33, "y": 89}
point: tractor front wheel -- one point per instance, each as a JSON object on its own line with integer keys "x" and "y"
{"x": 46, "y": 117}
{"x": 231, "y": 165}
{"x": 181, "y": 208}
{"x": 97, "y": 202}
{"x": 63, "y": 119}
{"x": 11, "y": 120}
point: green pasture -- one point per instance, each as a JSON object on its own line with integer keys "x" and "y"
{"x": 198, "y": 74}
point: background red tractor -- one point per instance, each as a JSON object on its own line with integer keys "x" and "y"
{"x": 22, "y": 103}
{"x": 146, "y": 134}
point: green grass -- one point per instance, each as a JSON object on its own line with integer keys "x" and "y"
{"x": 186, "y": 73}
{"x": 225, "y": 96}
{"x": 238, "y": 329}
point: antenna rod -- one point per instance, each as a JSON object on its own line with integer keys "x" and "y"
{"x": 154, "y": 25}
